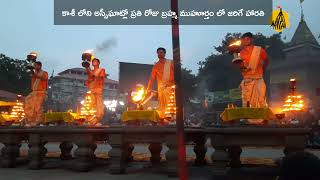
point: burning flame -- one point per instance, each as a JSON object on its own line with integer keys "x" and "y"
{"x": 18, "y": 110}
{"x": 236, "y": 43}
{"x": 293, "y": 79}
{"x": 139, "y": 94}
{"x": 171, "y": 108}
{"x": 89, "y": 51}
{"x": 293, "y": 103}
{"x": 33, "y": 54}
{"x": 87, "y": 108}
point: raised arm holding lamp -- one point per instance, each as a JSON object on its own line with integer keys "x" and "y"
{"x": 35, "y": 100}
{"x": 252, "y": 61}
{"x": 95, "y": 85}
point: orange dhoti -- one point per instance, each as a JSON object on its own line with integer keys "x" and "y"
{"x": 253, "y": 92}
{"x": 95, "y": 85}
{"x": 98, "y": 103}
{"x": 253, "y": 87}
{"x": 34, "y": 101}
{"x": 34, "y": 106}
{"x": 163, "y": 71}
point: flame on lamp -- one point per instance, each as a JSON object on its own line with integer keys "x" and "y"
{"x": 87, "y": 108}
{"x": 139, "y": 94}
{"x": 293, "y": 103}
{"x": 236, "y": 43}
{"x": 171, "y": 108}
{"x": 34, "y": 54}
{"x": 89, "y": 51}
{"x": 18, "y": 110}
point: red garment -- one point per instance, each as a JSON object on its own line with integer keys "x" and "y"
{"x": 245, "y": 54}
{"x": 157, "y": 73}
{"x": 165, "y": 83}
{"x": 38, "y": 84}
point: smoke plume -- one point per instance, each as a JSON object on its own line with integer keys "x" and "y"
{"x": 106, "y": 45}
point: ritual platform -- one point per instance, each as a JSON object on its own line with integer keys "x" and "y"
{"x": 66, "y": 117}
{"x": 230, "y": 114}
{"x": 140, "y": 115}
{"x": 4, "y": 118}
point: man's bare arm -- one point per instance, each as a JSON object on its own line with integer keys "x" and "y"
{"x": 89, "y": 72}
{"x": 151, "y": 79}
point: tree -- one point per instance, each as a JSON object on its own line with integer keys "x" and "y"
{"x": 189, "y": 82}
{"x": 14, "y": 76}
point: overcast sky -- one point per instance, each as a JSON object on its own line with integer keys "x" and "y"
{"x": 27, "y": 25}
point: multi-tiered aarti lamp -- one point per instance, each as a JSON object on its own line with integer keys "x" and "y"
{"x": 17, "y": 112}
{"x": 171, "y": 108}
{"x": 87, "y": 109}
{"x": 294, "y": 101}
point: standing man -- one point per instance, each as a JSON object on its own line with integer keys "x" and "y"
{"x": 34, "y": 101}
{"x": 255, "y": 62}
{"x": 163, "y": 71}
{"x": 95, "y": 84}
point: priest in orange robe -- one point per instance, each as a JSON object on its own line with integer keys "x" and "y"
{"x": 95, "y": 84}
{"x": 163, "y": 72}
{"x": 255, "y": 62}
{"x": 35, "y": 100}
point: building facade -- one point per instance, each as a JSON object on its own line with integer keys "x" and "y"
{"x": 67, "y": 90}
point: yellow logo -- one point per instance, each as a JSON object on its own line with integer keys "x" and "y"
{"x": 280, "y": 20}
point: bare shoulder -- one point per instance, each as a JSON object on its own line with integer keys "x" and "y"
{"x": 156, "y": 63}
{"x": 170, "y": 60}
{"x": 102, "y": 71}
{"x": 45, "y": 73}
{"x": 260, "y": 47}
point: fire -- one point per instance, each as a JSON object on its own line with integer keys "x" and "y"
{"x": 87, "y": 109}
{"x": 34, "y": 54}
{"x": 236, "y": 43}
{"x": 293, "y": 103}
{"x": 89, "y": 51}
{"x": 139, "y": 94}
{"x": 171, "y": 108}
{"x": 17, "y": 110}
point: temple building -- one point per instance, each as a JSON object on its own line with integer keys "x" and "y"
{"x": 67, "y": 90}
{"x": 302, "y": 62}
